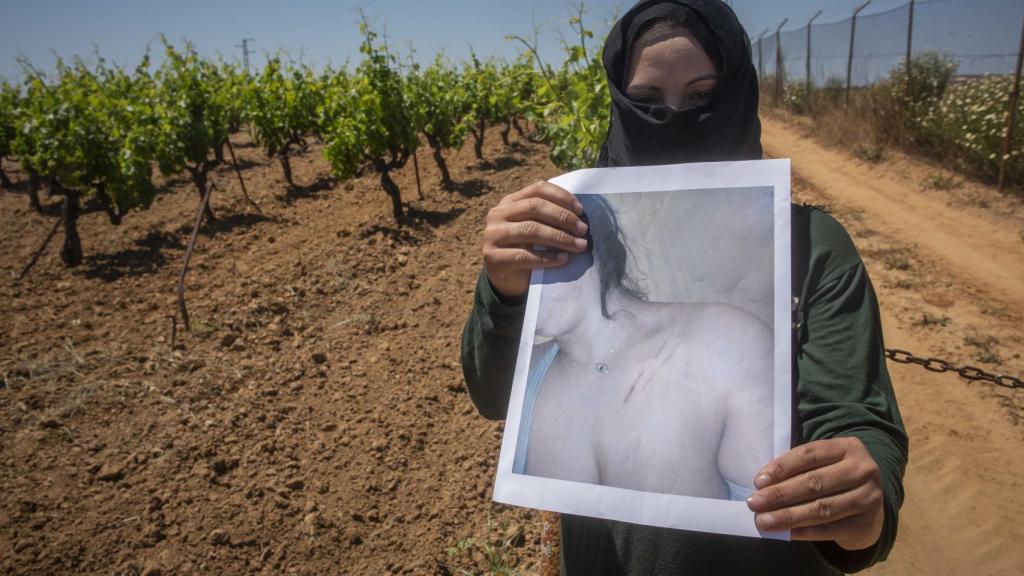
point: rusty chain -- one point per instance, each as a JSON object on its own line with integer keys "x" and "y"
{"x": 938, "y": 365}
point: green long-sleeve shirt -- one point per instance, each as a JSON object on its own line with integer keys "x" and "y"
{"x": 840, "y": 388}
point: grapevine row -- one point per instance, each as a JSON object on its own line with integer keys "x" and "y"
{"x": 96, "y": 135}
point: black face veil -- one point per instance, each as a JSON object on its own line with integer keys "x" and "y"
{"x": 726, "y": 128}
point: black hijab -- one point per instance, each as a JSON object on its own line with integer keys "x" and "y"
{"x": 726, "y": 128}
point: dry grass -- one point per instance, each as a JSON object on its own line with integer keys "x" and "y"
{"x": 954, "y": 120}
{"x": 867, "y": 127}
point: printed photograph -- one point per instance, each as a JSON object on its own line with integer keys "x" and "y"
{"x": 651, "y": 368}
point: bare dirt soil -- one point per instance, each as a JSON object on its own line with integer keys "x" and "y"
{"x": 948, "y": 266}
{"x": 316, "y": 422}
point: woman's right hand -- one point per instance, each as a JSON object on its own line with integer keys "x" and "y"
{"x": 539, "y": 214}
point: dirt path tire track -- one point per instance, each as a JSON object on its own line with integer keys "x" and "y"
{"x": 963, "y": 489}
{"x": 991, "y": 258}
{"x": 963, "y": 482}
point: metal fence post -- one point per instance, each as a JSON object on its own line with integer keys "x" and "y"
{"x": 760, "y": 61}
{"x": 849, "y": 61}
{"x": 1012, "y": 116}
{"x": 779, "y": 80}
{"x": 910, "y": 44}
{"x": 810, "y": 83}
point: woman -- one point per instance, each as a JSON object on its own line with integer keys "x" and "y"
{"x": 683, "y": 90}
{"x": 684, "y": 416}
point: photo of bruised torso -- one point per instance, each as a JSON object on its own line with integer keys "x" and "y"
{"x": 667, "y": 397}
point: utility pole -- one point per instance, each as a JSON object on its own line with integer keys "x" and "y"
{"x": 245, "y": 52}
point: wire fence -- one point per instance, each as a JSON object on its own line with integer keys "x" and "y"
{"x": 982, "y": 36}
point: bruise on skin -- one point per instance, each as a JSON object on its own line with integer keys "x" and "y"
{"x": 644, "y": 371}
{"x": 633, "y": 385}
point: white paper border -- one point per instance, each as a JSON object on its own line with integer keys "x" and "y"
{"x": 655, "y": 509}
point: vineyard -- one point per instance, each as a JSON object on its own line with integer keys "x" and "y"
{"x": 307, "y": 414}
{"x": 95, "y": 137}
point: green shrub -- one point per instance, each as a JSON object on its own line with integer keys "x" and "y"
{"x": 940, "y": 181}
{"x": 796, "y": 97}
{"x": 930, "y": 76}
{"x": 968, "y": 126}
{"x": 872, "y": 154}
{"x": 833, "y": 92}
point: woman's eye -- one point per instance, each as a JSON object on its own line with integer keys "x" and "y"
{"x": 647, "y": 100}
{"x": 702, "y": 96}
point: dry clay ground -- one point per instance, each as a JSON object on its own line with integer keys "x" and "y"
{"x": 315, "y": 422}
{"x": 949, "y": 269}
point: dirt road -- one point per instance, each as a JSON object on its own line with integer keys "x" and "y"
{"x": 949, "y": 270}
{"x": 972, "y": 245}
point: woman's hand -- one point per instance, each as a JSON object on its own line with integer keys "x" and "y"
{"x": 540, "y": 214}
{"x": 822, "y": 490}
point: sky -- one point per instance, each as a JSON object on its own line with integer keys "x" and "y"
{"x": 321, "y": 31}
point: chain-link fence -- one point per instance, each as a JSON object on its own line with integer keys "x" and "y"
{"x": 983, "y": 40}
{"x": 982, "y": 36}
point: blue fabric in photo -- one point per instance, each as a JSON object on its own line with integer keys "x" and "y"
{"x": 532, "y": 389}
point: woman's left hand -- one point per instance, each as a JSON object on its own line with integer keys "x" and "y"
{"x": 823, "y": 490}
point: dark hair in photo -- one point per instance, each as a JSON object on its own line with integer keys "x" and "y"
{"x": 606, "y": 243}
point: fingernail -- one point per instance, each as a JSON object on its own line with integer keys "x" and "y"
{"x": 577, "y": 206}
{"x": 762, "y": 480}
{"x": 755, "y": 502}
{"x": 765, "y": 521}
{"x": 562, "y": 256}
{"x": 581, "y": 227}
{"x": 580, "y": 243}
